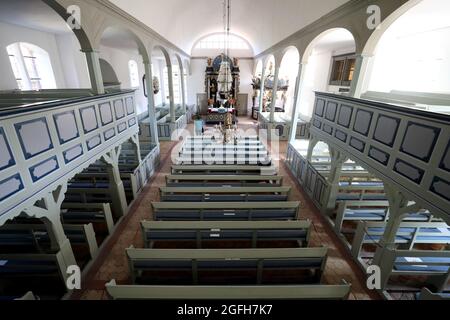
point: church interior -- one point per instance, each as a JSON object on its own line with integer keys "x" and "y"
{"x": 224, "y": 150}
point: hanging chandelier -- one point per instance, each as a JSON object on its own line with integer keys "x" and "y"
{"x": 225, "y": 78}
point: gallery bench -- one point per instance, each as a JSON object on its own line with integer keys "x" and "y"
{"x": 36, "y": 234}
{"x": 225, "y": 211}
{"x": 223, "y": 194}
{"x": 253, "y": 265}
{"x": 202, "y": 232}
{"x": 84, "y": 213}
{"x": 223, "y": 293}
{"x": 409, "y": 233}
{"x": 223, "y": 170}
{"x": 433, "y": 264}
{"x": 223, "y": 181}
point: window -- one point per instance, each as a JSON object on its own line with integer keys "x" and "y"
{"x": 134, "y": 74}
{"x": 343, "y": 69}
{"x": 176, "y": 84}
{"x": 31, "y": 67}
{"x": 217, "y": 41}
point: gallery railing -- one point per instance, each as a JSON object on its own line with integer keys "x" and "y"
{"x": 46, "y": 144}
{"x": 408, "y": 148}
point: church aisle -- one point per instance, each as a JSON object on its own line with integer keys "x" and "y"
{"x": 112, "y": 263}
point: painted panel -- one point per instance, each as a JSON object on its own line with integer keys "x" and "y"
{"x": 386, "y": 130}
{"x": 341, "y": 135}
{"x": 445, "y": 163}
{"x": 419, "y": 141}
{"x": 441, "y": 188}
{"x": 93, "y": 142}
{"x": 10, "y": 186}
{"x": 378, "y": 155}
{"x": 331, "y": 111}
{"x": 119, "y": 109}
{"x": 109, "y": 134}
{"x": 317, "y": 124}
{"x": 89, "y": 119}
{"x": 357, "y": 144}
{"x": 409, "y": 171}
{"x": 122, "y": 127}
{"x": 130, "y": 105}
{"x": 345, "y": 116}
{"x": 66, "y": 126}
{"x": 6, "y": 156}
{"x": 73, "y": 153}
{"x": 320, "y": 107}
{"x": 328, "y": 129}
{"x": 106, "y": 113}
{"x": 44, "y": 168}
{"x": 34, "y": 137}
{"x": 362, "y": 122}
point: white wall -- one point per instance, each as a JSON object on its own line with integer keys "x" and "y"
{"x": 68, "y": 63}
{"x": 119, "y": 59}
{"x": 196, "y": 81}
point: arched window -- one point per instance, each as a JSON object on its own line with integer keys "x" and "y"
{"x": 217, "y": 41}
{"x": 31, "y": 66}
{"x": 176, "y": 77}
{"x": 134, "y": 73}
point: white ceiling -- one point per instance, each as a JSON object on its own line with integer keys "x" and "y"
{"x": 33, "y": 14}
{"x": 262, "y": 22}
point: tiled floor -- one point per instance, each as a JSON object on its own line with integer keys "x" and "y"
{"x": 112, "y": 264}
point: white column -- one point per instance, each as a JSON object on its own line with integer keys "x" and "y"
{"x": 360, "y": 75}
{"x": 171, "y": 95}
{"x": 183, "y": 90}
{"x": 296, "y": 109}
{"x": 95, "y": 72}
{"x": 274, "y": 94}
{"x": 262, "y": 89}
{"x": 151, "y": 102}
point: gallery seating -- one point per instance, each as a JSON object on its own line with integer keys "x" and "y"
{"x": 255, "y": 293}
{"x": 223, "y": 194}
{"x": 223, "y": 170}
{"x": 223, "y": 181}
{"x": 225, "y": 211}
{"x": 99, "y": 214}
{"x": 260, "y": 234}
{"x": 226, "y": 266}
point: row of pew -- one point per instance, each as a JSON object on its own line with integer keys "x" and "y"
{"x": 31, "y": 260}
{"x": 421, "y": 247}
{"x": 226, "y": 232}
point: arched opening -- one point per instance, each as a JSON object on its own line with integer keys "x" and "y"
{"x": 177, "y": 76}
{"x": 268, "y": 81}
{"x": 411, "y": 60}
{"x": 48, "y": 40}
{"x": 329, "y": 63}
{"x": 160, "y": 63}
{"x": 213, "y": 44}
{"x": 286, "y": 81}
{"x": 256, "y": 86}
{"x": 125, "y": 53}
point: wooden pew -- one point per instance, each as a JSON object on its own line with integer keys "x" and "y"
{"x": 223, "y": 194}
{"x": 433, "y": 264}
{"x": 426, "y": 294}
{"x": 223, "y": 181}
{"x": 223, "y": 170}
{"x": 204, "y": 232}
{"x": 251, "y": 265}
{"x": 361, "y": 192}
{"x": 372, "y": 211}
{"x": 221, "y": 160}
{"x": 259, "y": 293}
{"x": 225, "y": 211}
{"x": 99, "y": 214}
{"x": 33, "y": 268}
{"x": 409, "y": 234}
{"x": 37, "y": 234}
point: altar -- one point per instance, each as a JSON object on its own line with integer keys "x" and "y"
{"x": 218, "y": 115}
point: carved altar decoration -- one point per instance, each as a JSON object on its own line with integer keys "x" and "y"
{"x": 227, "y": 131}
{"x": 155, "y": 85}
{"x": 218, "y": 87}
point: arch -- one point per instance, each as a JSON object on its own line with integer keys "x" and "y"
{"x": 258, "y": 68}
{"x": 371, "y": 43}
{"x": 81, "y": 35}
{"x": 417, "y": 55}
{"x": 108, "y": 74}
{"x": 288, "y": 74}
{"x": 160, "y": 53}
{"x": 181, "y": 79}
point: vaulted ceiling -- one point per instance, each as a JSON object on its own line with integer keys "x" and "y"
{"x": 262, "y": 22}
